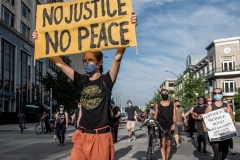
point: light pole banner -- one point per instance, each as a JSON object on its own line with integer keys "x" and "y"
{"x": 220, "y": 125}
{"x": 83, "y": 25}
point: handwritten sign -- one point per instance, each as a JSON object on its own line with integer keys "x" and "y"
{"x": 83, "y": 25}
{"x": 220, "y": 125}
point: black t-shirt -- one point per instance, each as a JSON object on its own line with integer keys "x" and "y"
{"x": 61, "y": 118}
{"x": 115, "y": 110}
{"x": 76, "y": 112}
{"x": 130, "y": 113}
{"x": 48, "y": 114}
{"x": 95, "y": 100}
{"x": 199, "y": 110}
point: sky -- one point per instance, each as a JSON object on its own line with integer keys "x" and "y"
{"x": 167, "y": 32}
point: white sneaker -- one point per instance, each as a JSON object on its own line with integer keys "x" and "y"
{"x": 177, "y": 146}
{"x": 129, "y": 139}
{"x": 232, "y": 151}
{"x": 133, "y": 137}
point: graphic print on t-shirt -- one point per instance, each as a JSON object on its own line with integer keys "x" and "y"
{"x": 91, "y": 100}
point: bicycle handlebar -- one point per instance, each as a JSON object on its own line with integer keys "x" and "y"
{"x": 152, "y": 122}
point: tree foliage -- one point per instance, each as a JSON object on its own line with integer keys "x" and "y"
{"x": 63, "y": 90}
{"x": 237, "y": 99}
{"x": 192, "y": 89}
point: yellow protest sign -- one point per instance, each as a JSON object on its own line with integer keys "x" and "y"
{"x": 83, "y": 25}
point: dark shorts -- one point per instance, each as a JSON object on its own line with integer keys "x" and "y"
{"x": 168, "y": 134}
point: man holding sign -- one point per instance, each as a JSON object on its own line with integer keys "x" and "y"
{"x": 93, "y": 139}
{"x": 218, "y": 122}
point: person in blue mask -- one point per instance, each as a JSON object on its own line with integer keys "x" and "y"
{"x": 220, "y": 148}
{"x": 131, "y": 114}
{"x": 93, "y": 137}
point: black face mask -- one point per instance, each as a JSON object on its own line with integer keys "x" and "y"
{"x": 178, "y": 106}
{"x": 164, "y": 96}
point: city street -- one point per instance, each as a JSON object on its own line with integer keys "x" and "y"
{"x": 30, "y": 146}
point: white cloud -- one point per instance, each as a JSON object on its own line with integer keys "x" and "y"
{"x": 168, "y": 31}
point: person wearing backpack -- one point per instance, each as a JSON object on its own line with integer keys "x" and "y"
{"x": 61, "y": 124}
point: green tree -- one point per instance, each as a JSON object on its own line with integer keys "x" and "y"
{"x": 63, "y": 89}
{"x": 192, "y": 88}
{"x": 237, "y": 99}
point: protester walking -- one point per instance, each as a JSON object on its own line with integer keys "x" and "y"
{"x": 220, "y": 148}
{"x": 190, "y": 122}
{"x": 232, "y": 152}
{"x": 45, "y": 117}
{"x": 198, "y": 112}
{"x": 165, "y": 113}
{"x": 131, "y": 115}
{"x": 61, "y": 124}
{"x": 21, "y": 117}
{"x": 180, "y": 119}
{"x": 93, "y": 139}
{"x": 115, "y": 122}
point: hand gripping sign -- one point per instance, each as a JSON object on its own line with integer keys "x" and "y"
{"x": 220, "y": 125}
{"x": 83, "y": 25}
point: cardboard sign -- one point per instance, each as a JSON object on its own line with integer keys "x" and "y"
{"x": 220, "y": 125}
{"x": 83, "y": 25}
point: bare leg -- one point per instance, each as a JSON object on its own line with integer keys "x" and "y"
{"x": 163, "y": 148}
{"x": 169, "y": 145}
{"x": 176, "y": 136}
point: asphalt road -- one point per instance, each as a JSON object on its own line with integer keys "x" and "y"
{"x": 30, "y": 146}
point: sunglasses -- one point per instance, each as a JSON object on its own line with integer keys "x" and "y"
{"x": 217, "y": 93}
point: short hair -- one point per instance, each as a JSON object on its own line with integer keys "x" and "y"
{"x": 112, "y": 102}
{"x": 163, "y": 90}
{"x": 129, "y": 101}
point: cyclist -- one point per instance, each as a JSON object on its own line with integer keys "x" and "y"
{"x": 45, "y": 117}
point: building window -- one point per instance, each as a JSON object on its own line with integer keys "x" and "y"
{"x": 37, "y": 88}
{"x": 7, "y": 16}
{"x": 25, "y": 11}
{"x": 229, "y": 86}
{"x": 171, "y": 84}
{"x": 25, "y": 30}
{"x": 25, "y": 76}
{"x": 228, "y": 63}
{"x": 11, "y": 2}
{"x": 7, "y": 72}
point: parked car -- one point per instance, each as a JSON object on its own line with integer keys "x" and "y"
{"x": 123, "y": 118}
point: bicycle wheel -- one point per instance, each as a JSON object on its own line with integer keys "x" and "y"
{"x": 38, "y": 129}
{"x": 150, "y": 147}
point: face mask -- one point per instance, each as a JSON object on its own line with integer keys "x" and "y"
{"x": 90, "y": 68}
{"x": 200, "y": 102}
{"x": 225, "y": 102}
{"x": 164, "y": 96}
{"x": 129, "y": 104}
{"x": 61, "y": 109}
{"x": 217, "y": 97}
{"x": 209, "y": 103}
{"x": 178, "y": 106}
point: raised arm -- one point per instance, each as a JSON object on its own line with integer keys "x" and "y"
{"x": 58, "y": 61}
{"x": 156, "y": 112}
{"x": 118, "y": 56}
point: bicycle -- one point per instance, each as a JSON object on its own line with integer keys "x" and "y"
{"x": 41, "y": 128}
{"x": 151, "y": 123}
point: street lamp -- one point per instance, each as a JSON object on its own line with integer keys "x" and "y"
{"x": 118, "y": 100}
{"x": 117, "y": 96}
